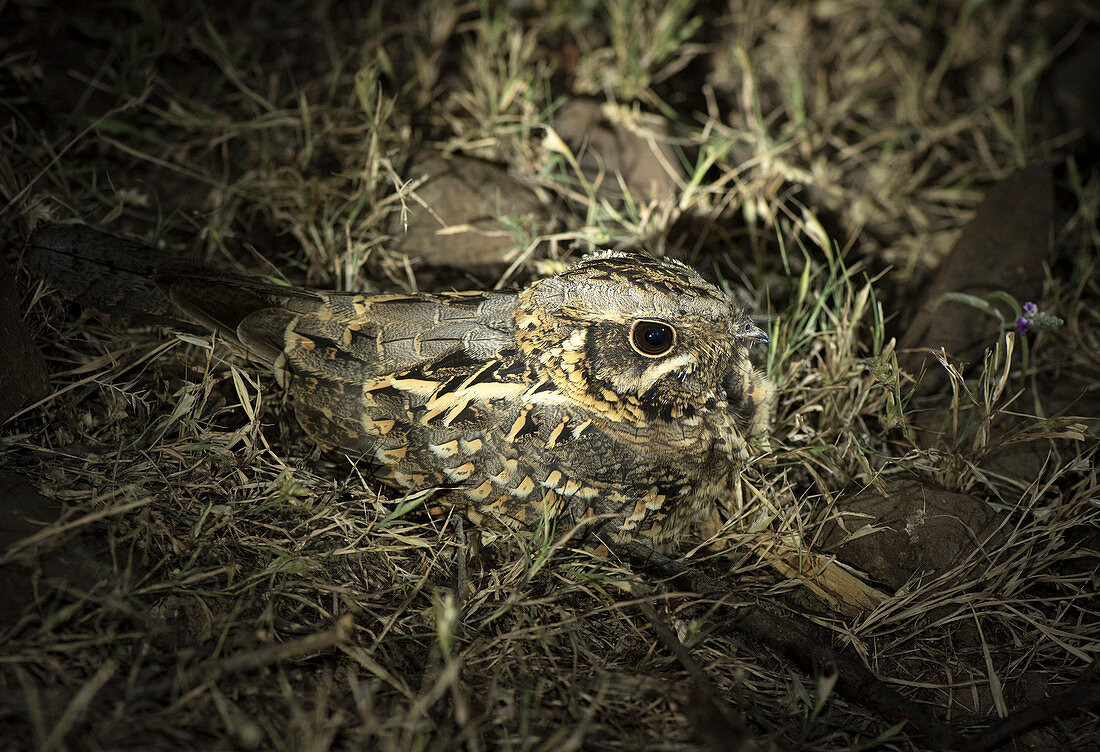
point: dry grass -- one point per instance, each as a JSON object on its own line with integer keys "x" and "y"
{"x": 243, "y": 591}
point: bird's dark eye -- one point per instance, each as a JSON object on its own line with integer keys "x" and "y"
{"x": 652, "y": 338}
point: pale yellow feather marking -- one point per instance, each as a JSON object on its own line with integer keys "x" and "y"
{"x": 507, "y": 472}
{"x": 460, "y": 473}
{"x": 654, "y": 500}
{"x": 455, "y": 411}
{"x": 481, "y": 493}
{"x": 389, "y": 456}
{"x": 527, "y": 321}
{"x": 434, "y": 413}
{"x": 547, "y": 398}
{"x": 473, "y": 446}
{"x": 419, "y": 387}
{"x": 524, "y": 489}
{"x": 477, "y": 374}
{"x": 448, "y": 449}
{"x": 279, "y": 366}
{"x": 492, "y": 390}
{"x": 682, "y": 362}
{"x": 440, "y": 402}
{"x": 375, "y": 384}
{"x": 553, "y": 439}
{"x": 553, "y": 479}
{"x": 455, "y": 401}
{"x": 294, "y": 340}
{"x": 575, "y": 340}
{"x": 408, "y": 480}
{"x": 517, "y": 426}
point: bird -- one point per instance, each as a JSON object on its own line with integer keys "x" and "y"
{"x": 617, "y": 396}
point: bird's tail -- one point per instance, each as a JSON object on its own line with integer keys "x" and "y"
{"x": 244, "y": 310}
{"x": 99, "y": 270}
{"x": 149, "y": 285}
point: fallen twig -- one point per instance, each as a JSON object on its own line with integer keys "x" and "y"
{"x": 791, "y": 640}
{"x": 785, "y": 637}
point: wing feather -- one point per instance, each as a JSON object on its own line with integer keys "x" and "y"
{"x": 358, "y": 364}
{"x": 391, "y": 332}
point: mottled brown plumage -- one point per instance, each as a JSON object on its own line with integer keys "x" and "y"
{"x": 618, "y": 391}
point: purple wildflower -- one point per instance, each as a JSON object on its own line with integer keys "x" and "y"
{"x": 1035, "y": 320}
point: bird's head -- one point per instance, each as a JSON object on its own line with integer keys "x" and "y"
{"x": 645, "y": 339}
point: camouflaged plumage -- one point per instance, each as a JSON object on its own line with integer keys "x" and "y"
{"x": 553, "y": 403}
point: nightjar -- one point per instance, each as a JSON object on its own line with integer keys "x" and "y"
{"x": 618, "y": 392}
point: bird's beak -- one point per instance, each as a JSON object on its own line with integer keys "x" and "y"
{"x": 753, "y": 333}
